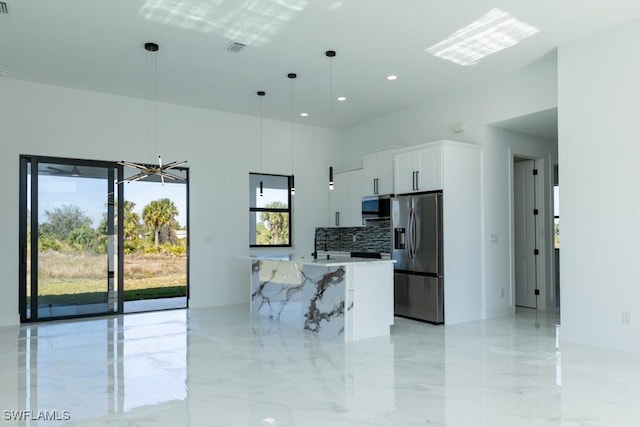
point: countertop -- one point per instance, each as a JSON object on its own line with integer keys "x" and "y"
{"x": 333, "y": 261}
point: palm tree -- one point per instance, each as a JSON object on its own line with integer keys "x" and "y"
{"x": 158, "y": 214}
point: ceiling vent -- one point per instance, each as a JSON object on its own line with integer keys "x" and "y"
{"x": 235, "y": 47}
{"x": 3, "y": 7}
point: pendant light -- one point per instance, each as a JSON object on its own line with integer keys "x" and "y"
{"x": 161, "y": 170}
{"x": 261, "y": 94}
{"x": 330, "y": 54}
{"x": 330, "y": 177}
{"x": 292, "y": 77}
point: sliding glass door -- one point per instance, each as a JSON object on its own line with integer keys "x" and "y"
{"x": 155, "y": 242}
{"x": 71, "y": 259}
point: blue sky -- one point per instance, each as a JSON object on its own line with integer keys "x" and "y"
{"x": 90, "y": 195}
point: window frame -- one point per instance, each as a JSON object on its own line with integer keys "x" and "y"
{"x": 288, "y": 210}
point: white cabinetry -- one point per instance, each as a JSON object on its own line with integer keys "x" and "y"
{"x": 345, "y": 200}
{"x": 377, "y": 173}
{"x": 418, "y": 169}
{"x": 454, "y": 168}
{"x": 406, "y": 165}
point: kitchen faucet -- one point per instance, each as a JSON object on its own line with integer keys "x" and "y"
{"x": 315, "y": 242}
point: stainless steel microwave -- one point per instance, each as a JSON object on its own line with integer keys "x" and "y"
{"x": 376, "y": 207}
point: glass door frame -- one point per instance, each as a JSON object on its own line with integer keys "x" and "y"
{"x": 116, "y": 194}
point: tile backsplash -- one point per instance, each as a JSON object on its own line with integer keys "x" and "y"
{"x": 374, "y": 237}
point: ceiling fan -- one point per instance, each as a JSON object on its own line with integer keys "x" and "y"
{"x": 74, "y": 171}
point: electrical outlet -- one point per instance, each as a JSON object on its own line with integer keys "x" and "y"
{"x": 626, "y": 318}
{"x": 354, "y": 238}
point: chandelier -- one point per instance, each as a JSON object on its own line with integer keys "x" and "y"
{"x": 145, "y": 170}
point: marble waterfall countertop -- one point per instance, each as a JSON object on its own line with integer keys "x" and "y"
{"x": 340, "y": 297}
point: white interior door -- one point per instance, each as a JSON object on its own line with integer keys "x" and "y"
{"x": 524, "y": 233}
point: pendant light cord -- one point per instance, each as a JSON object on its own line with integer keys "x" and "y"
{"x": 154, "y": 107}
{"x": 292, "y": 128}
{"x": 150, "y": 103}
{"x": 330, "y": 92}
{"x": 261, "y": 130}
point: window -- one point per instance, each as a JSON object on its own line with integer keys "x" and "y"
{"x": 269, "y": 212}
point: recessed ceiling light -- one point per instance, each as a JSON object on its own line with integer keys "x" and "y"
{"x": 491, "y": 33}
{"x": 392, "y": 77}
{"x": 341, "y": 98}
{"x": 304, "y": 114}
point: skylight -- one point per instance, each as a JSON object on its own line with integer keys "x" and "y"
{"x": 253, "y": 23}
{"x": 493, "y": 32}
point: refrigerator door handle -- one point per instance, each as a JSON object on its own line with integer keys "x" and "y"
{"x": 409, "y": 251}
{"x": 414, "y": 234}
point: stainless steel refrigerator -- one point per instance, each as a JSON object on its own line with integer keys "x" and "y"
{"x": 417, "y": 248}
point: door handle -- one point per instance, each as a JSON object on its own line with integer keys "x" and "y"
{"x": 337, "y": 219}
{"x": 376, "y": 186}
{"x": 413, "y": 180}
{"x": 414, "y": 235}
{"x": 410, "y": 233}
{"x": 417, "y": 180}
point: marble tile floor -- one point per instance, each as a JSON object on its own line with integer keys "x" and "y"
{"x": 217, "y": 367}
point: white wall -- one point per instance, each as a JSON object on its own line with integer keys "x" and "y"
{"x": 221, "y": 149}
{"x": 527, "y": 91}
{"x": 499, "y": 154}
{"x": 599, "y": 188}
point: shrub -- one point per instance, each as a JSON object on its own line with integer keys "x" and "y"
{"x": 48, "y": 243}
{"x": 173, "y": 250}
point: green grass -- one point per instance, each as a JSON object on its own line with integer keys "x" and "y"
{"x": 101, "y": 297}
{"x": 80, "y": 278}
{"x": 152, "y": 293}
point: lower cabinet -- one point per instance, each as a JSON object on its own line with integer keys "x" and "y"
{"x": 419, "y": 297}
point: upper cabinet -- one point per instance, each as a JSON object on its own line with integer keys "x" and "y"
{"x": 377, "y": 172}
{"x": 345, "y": 200}
{"x": 419, "y": 169}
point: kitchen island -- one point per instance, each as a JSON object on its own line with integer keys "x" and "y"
{"x": 344, "y": 298}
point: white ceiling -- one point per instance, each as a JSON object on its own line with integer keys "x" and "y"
{"x": 542, "y": 123}
{"x": 97, "y": 45}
